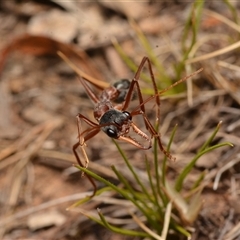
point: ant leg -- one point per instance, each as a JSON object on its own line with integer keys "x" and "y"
{"x": 81, "y": 143}
{"x": 140, "y": 97}
{"x": 131, "y": 88}
{"x": 157, "y": 98}
{"x": 150, "y": 127}
{"x": 141, "y": 105}
{"x": 89, "y": 91}
{"x": 75, "y": 146}
{"x": 155, "y": 134}
{"x": 168, "y": 88}
{"x": 141, "y": 108}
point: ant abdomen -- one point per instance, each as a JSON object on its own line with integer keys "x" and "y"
{"x": 123, "y": 86}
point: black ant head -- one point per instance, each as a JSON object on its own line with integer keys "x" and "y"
{"x": 115, "y": 123}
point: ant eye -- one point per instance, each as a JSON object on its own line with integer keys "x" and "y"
{"x": 111, "y": 133}
{"x": 128, "y": 115}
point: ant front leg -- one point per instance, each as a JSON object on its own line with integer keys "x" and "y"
{"x": 81, "y": 143}
{"x": 154, "y": 134}
{"x": 89, "y": 133}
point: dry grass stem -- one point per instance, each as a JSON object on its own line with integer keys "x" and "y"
{"x": 144, "y": 227}
{"x": 229, "y": 66}
{"x": 167, "y": 218}
{"x": 214, "y": 53}
{"x": 223, "y": 19}
{"x": 43, "y": 206}
{"x": 223, "y": 169}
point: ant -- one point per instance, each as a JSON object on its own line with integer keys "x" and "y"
{"x": 113, "y": 119}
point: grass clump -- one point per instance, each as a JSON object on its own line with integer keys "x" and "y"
{"x": 153, "y": 204}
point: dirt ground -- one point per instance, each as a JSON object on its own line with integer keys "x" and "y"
{"x": 40, "y": 95}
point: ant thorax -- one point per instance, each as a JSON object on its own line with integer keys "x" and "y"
{"x": 109, "y": 93}
{"x": 101, "y": 108}
{"x": 116, "y": 93}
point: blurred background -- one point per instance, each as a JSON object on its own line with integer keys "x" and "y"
{"x": 40, "y": 95}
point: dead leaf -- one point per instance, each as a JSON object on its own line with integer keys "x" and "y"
{"x": 40, "y": 45}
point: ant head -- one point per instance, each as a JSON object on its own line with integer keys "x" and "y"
{"x": 115, "y": 123}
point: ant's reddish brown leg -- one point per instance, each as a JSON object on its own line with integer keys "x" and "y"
{"x": 81, "y": 142}
{"x": 135, "y": 82}
{"x": 154, "y": 134}
{"x": 141, "y": 109}
{"x": 75, "y": 146}
{"x": 157, "y": 98}
{"x": 148, "y": 125}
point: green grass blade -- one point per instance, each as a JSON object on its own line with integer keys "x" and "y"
{"x": 121, "y": 230}
{"x": 129, "y": 62}
{"x": 122, "y": 192}
{"x": 233, "y": 11}
{"x": 156, "y": 199}
{"x": 164, "y": 165}
{"x": 188, "y": 168}
{"x": 86, "y": 199}
{"x": 198, "y": 181}
{"x": 206, "y": 144}
{"x": 157, "y": 173}
{"x": 134, "y": 196}
{"x": 148, "y": 48}
{"x": 191, "y": 26}
{"x": 144, "y": 190}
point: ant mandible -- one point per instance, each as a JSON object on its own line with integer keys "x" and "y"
{"x": 112, "y": 116}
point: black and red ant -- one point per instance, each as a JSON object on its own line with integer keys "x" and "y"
{"x": 110, "y": 112}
